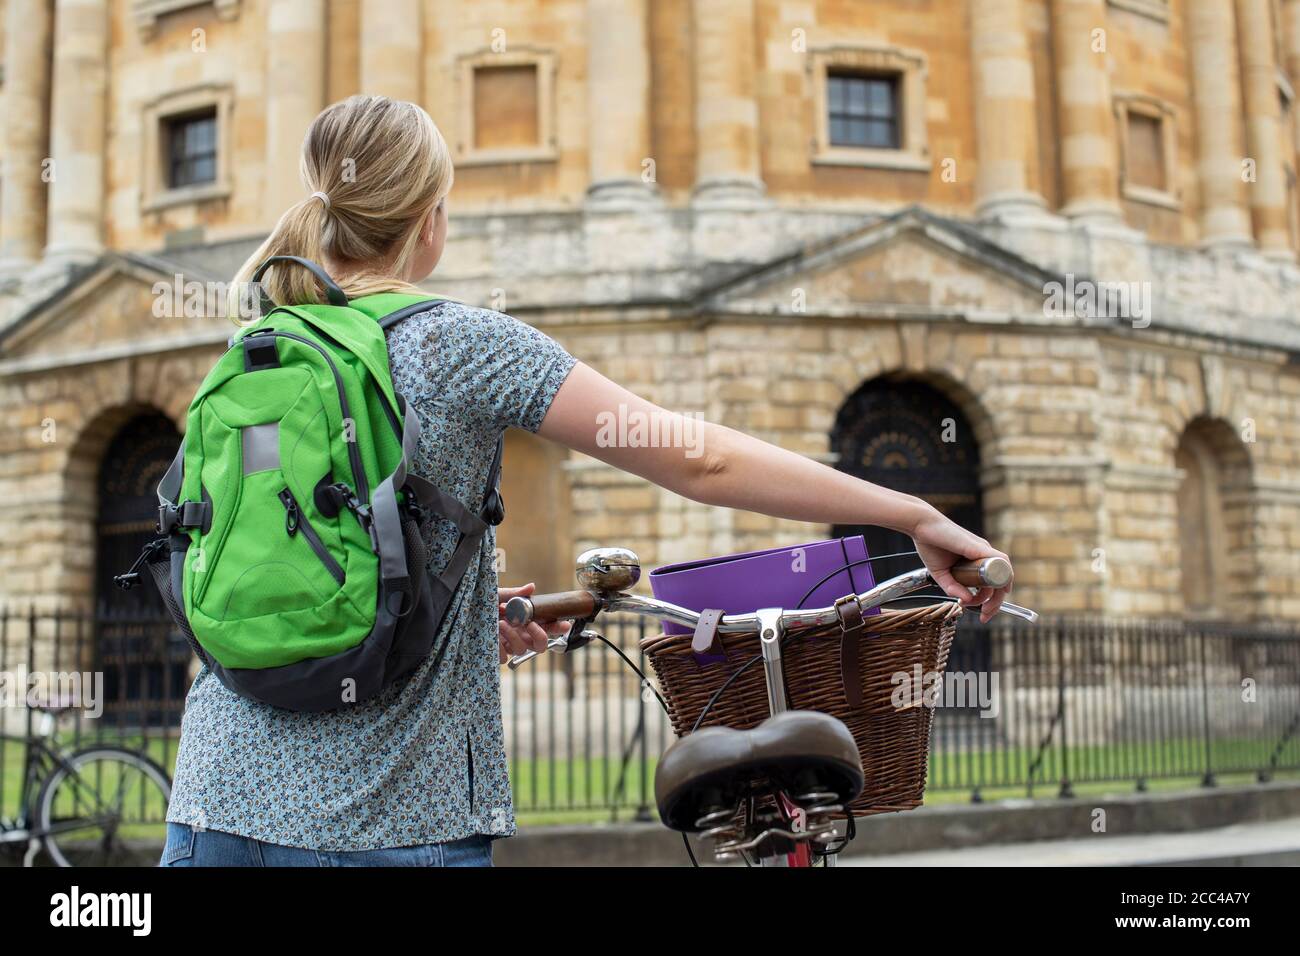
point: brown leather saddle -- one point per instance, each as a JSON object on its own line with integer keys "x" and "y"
{"x": 799, "y": 751}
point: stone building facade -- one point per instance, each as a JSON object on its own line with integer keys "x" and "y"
{"x": 1032, "y": 259}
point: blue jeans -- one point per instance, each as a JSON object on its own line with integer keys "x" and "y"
{"x": 189, "y": 847}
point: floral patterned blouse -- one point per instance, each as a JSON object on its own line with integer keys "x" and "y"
{"x": 425, "y": 761}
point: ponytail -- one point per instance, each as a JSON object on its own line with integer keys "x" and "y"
{"x": 298, "y": 233}
{"x": 382, "y": 166}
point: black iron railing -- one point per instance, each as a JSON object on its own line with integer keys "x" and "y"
{"x": 1035, "y": 710}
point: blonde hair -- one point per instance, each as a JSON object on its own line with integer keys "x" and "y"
{"x": 383, "y": 166}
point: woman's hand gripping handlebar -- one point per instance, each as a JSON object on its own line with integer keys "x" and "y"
{"x": 606, "y": 574}
{"x": 532, "y": 635}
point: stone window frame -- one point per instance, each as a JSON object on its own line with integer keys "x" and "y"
{"x": 911, "y": 67}
{"x": 147, "y": 12}
{"x": 1143, "y": 104}
{"x": 155, "y": 194}
{"x": 544, "y": 61}
{"x": 1155, "y": 9}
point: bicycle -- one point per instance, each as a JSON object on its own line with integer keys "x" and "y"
{"x": 76, "y": 804}
{"x": 777, "y": 786}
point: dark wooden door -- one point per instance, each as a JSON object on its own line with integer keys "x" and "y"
{"x": 143, "y": 657}
{"x": 908, "y": 436}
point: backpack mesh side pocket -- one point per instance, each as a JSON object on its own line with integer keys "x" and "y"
{"x": 417, "y": 557}
{"x": 160, "y": 569}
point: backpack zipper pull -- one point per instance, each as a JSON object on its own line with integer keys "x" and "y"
{"x": 290, "y": 511}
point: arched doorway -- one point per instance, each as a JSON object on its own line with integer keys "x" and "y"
{"x": 906, "y": 435}
{"x": 143, "y": 657}
{"x": 1213, "y": 518}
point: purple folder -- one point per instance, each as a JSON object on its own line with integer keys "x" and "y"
{"x": 780, "y": 577}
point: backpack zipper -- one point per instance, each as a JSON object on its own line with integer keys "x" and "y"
{"x": 295, "y": 521}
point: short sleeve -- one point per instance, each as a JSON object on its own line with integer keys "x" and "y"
{"x": 487, "y": 364}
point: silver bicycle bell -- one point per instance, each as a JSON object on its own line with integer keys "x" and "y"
{"x": 608, "y": 570}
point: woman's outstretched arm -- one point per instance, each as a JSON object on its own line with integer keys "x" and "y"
{"x": 717, "y": 465}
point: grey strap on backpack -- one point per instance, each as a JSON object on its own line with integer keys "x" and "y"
{"x": 470, "y": 526}
{"x": 170, "y": 485}
{"x": 493, "y": 511}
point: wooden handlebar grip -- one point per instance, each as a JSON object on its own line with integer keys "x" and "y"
{"x": 988, "y": 573}
{"x": 550, "y": 607}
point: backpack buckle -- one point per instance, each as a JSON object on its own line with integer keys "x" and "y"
{"x": 186, "y": 515}
{"x": 167, "y": 518}
{"x": 414, "y": 508}
{"x": 362, "y": 511}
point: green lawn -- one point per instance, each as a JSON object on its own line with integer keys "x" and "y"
{"x": 1123, "y": 762}
{"x": 586, "y": 785}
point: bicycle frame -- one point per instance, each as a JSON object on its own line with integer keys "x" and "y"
{"x": 771, "y": 628}
{"x": 40, "y": 761}
{"x": 39, "y": 758}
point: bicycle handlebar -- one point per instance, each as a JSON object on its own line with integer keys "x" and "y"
{"x": 989, "y": 573}
{"x": 554, "y": 607}
{"x": 585, "y": 604}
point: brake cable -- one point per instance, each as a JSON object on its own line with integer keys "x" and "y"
{"x": 645, "y": 681}
{"x": 852, "y": 564}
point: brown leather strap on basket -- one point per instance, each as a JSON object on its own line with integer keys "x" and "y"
{"x": 851, "y": 624}
{"x": 706, "y": 645}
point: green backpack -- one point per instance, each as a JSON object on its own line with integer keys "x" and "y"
{"x": 290, "y": 554}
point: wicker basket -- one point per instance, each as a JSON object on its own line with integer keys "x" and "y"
{"x": 894, "y": 742}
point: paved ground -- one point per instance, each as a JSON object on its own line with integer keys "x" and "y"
{"x": 1274, "y": 843}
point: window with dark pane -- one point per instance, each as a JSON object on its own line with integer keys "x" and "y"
{"x": 863, "y": 110}
{"x": 191, "y": 149}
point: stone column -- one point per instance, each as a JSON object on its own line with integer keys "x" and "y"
{"x": 1089, "y": 149}
{"x": 295, "y": 93}
{"x": 1268, "y": 193}
{"x": 77, "y": 130}
{"x": 1216, "y": 91}
{"x": 618, "y": 99}
{"x": 1290, "y": 27}
{"x": 1006, "y": 125}
{"x": 1291, "y": 38}
{"x": 727, "y": 165}
{"x": 23, "y": 132}
{"x": 390, "y": 48}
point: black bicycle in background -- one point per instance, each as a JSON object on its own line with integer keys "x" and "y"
{"x": 97, "y": 805}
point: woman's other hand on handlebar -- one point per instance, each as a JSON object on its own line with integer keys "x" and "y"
{"x": 513, "y": 641}
{"x": 942, "y": 543}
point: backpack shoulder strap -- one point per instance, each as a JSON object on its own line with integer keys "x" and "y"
{"x": 493, "y": 510}
{"x": 415, "y": 308}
